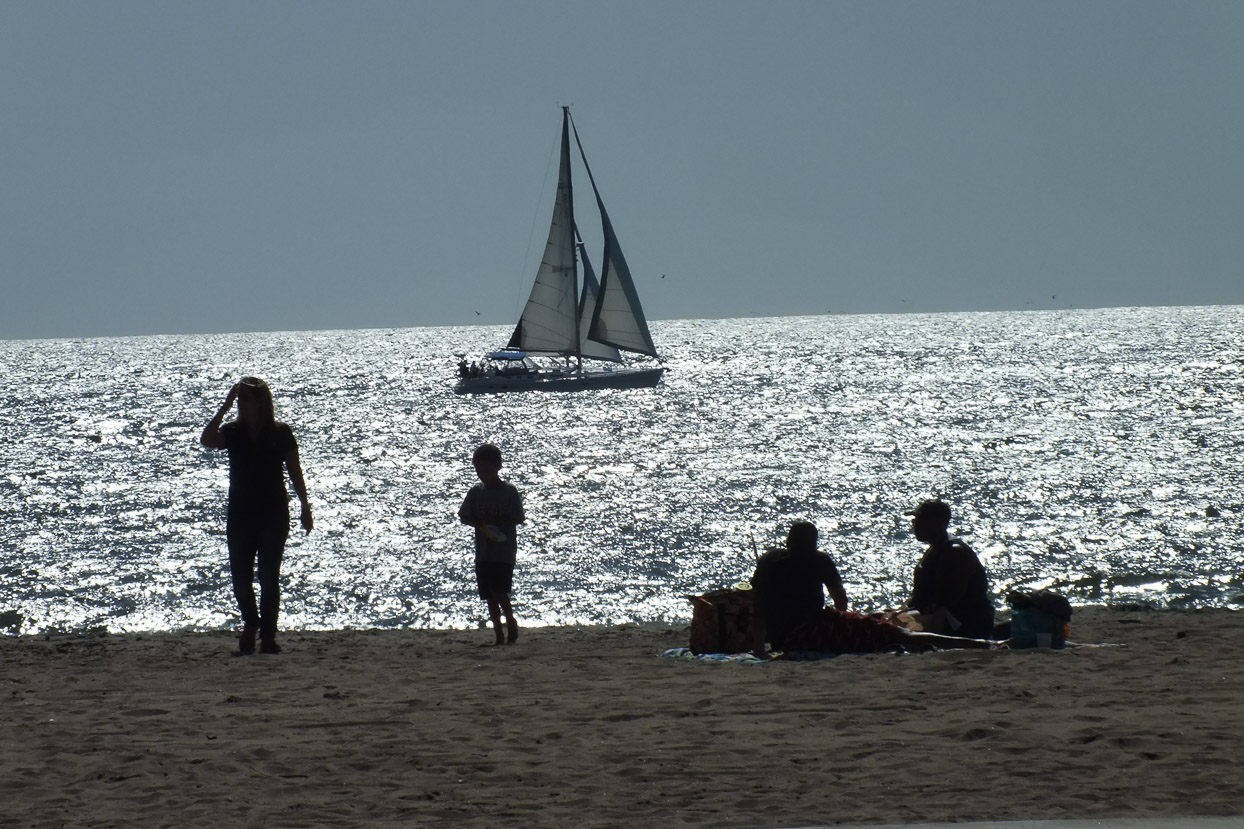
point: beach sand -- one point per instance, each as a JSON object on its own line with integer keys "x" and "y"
{"x": 593, "y": 727}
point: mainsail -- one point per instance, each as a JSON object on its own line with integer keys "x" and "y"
{"x": 550, "y": 321}
{"x": 606, "y": 317}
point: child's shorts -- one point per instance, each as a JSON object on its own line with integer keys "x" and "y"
{"x": 494, "y": 577}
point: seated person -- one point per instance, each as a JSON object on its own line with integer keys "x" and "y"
{"x": 788, "y": 583}
{"x": 950, "y": 589}
{"x": 790, "y": 613}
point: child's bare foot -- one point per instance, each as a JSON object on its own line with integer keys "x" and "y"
{"x": 513, "y": 636}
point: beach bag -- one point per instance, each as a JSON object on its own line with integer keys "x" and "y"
{"x": 1039, "y": 619}
{"x": 721, "y": 621}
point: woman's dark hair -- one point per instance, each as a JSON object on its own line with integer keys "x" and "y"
{"x": 262, "y": 395}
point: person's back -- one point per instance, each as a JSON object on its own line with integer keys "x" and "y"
{"x": 950, "y": 576}
{"x": 790, "y": 584}
{"x": 495, "y": 510}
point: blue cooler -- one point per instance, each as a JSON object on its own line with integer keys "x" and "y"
{"x": 1031, "y": 628}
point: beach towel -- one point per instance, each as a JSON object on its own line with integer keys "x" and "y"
{"x": 844, "y": 631}
{"x": 687, "y": 653}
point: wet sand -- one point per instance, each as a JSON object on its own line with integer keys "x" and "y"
{"x": 592, "y": 727}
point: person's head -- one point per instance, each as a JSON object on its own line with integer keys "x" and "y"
{"x": 487, "y": 461}
{"x": 930, "y": 521}
{"x": 255, "y": 402}
{"x": 802, "y": 537}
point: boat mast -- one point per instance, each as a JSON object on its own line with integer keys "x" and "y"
{"x": 574, "y": 270}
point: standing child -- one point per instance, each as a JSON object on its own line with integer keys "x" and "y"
{"x": 495, "y": 509}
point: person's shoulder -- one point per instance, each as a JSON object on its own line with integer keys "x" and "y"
{"x": 957, "y": 548}
{"x": 825, "y": 558}
{"x": 771, "y": 555}
{"x": 284, "y": 435}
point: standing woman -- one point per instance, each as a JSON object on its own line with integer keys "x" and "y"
{"x": 261, "y": 449}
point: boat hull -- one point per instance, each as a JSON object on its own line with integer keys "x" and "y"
{"x": 626, "y": 378}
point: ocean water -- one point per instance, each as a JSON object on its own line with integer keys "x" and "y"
{"x": 1100, "y": 452}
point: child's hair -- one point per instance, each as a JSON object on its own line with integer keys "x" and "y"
{"x": 487, "y": 453}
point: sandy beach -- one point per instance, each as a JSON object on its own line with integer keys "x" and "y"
{"x": 593, "y": 727}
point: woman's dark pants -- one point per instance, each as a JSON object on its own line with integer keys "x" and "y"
{"x": 257, "y": 538}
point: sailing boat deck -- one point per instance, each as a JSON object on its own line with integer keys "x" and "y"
{"x": 541, "y": 378}
{"x": 598, "y": 322}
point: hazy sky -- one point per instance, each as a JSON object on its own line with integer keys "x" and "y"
{"x": 178, "y": 167}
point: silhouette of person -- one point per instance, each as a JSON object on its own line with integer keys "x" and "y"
{"x": 950, "y": 588}
{"x": 261, "y": 450}
{"x": 789, "y": 584}
{"x": 495, "y": 509}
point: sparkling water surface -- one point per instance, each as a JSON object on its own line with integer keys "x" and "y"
{"x": 1099, "y": 452}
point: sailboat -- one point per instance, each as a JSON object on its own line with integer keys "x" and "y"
{"x": 597, "y": 319}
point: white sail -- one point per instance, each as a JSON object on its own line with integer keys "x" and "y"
{"x": 549, "y": 322}
{"x": 587, "y": 310}
{"x": 619, "y": 319}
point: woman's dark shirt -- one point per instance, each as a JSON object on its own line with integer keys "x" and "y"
{"x": 257, "y": 464}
